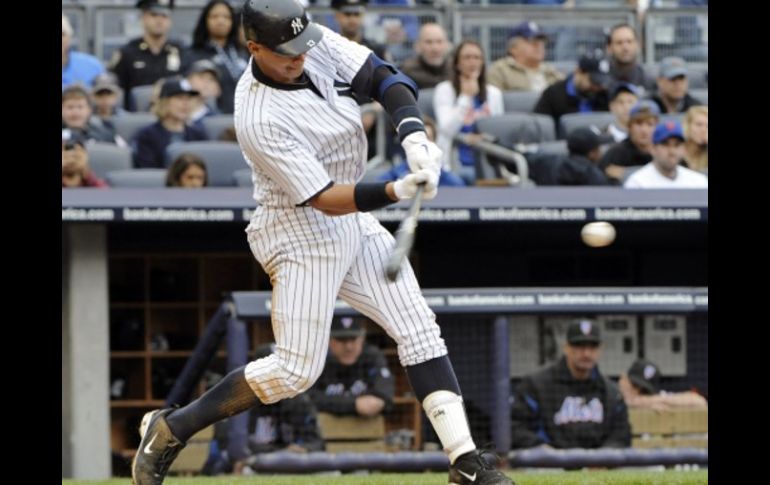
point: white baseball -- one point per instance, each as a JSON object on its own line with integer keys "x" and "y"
{"x": 598, "y": 234}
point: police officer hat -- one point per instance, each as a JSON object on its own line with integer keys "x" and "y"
{"x": 163, "y": 7}
{"x": 350, "y": 6}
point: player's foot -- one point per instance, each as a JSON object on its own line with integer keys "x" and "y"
{"x": 157, "y": 450}
{"x": 477, "y": 468}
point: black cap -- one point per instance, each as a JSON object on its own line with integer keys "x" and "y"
{"x": 158, "y": 6}
{"x": 346, "y": 327}
{"x": 73, "y": 137}
{"x": 583, "y": 332}
{"x": 582, "y": 140}
{"x": 623, "y": 87}
{"x": 350, "y": 6}
{"x": 282, "y": 26}
{"x": 645, "y": 375}
{"x": 597, "y": 67}
{"x": 174, "y": 86}
{"x": 203, "y": 65}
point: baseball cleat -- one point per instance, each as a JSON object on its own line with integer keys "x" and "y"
{"x": 157, "y": 450}
{"x": 477, "y": 468}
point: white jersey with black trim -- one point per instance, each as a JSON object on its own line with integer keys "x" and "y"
{"x": 298, "y": 142}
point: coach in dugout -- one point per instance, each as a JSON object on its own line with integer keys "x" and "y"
{"x": 571, "y": 404}
{"x": 356, "y": 379}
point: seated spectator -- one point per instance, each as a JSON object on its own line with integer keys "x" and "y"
{"x": 355, "y": 380}
{"x": 203, "y": 76}
{"x": 623, "y": 54}
{"x": 665, "y": 170}
{"x": 432, "y": 64}
{"x": 461, "y": 101}
{"x": 75, "y": 171}
{"x": 696, "y": 135}
{"x": 349, "y": 15}
{"x": 106, "y": 95}
{"x": 623, "y": 96}
{"x": 76, "y": 67}
{"x": 188, "y": 171}
{"x": 580, "y": 167}
{"x": 636, "y": 150}
{"x": 640, "y": 387}
{"x": 585, "y": 90}
{"x": 287, "y": 425}
{"x": 173, "y": 112}
{"x": 400, "y": 170}
{"x": 673, "y": 86}
{"x": 76, "y": 117}
{"x": 571, "y": 404}
{"x": 524, "y": 69}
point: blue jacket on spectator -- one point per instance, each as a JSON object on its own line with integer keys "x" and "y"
{"x": 149, "y": 144}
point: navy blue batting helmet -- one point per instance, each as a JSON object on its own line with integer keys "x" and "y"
{"x": 280, "y": 25}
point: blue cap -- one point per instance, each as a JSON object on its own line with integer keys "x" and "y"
{"x": 528, "y": 30}
{"x": 644, "y": 107}
{"x": 666, "y": 130}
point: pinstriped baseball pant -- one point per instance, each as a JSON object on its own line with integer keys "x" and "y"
{"x": 312, "y": 259}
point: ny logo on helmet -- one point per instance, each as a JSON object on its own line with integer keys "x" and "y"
{"x": 296, "y": 25}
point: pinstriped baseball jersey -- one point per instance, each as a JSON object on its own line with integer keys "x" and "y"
{"x": 298, "y": 140}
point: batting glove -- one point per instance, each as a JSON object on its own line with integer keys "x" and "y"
{"x": 407, "y": 186}
{"x": 421, "y": 153}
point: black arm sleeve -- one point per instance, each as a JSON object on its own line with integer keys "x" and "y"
{"x": 396, "y": 92}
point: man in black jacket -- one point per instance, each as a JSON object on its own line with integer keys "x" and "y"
{"x": 584, "y": 91}
{"x": 356, "y": 379}
{"x": 571, "y": 404}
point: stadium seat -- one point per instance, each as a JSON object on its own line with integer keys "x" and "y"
{"x": 144, "y": 177}
{"x": 127, "y": 124}
{"x": 565, "y": 67}
{"x": 520, "y": 101}
{"x": 107, "y": 157}
{"x": 222, "y": 159}
{"x": 142, "y": 98}
{"x": 558, "y": 147}
{"x": 425, "y": 102}
{"x": 696, "y": 74}
{"x": 570, "y": 121}
{"x": 242, "y": 177}
{"x": 512, "y": 128}
{"x": 217, "y": 124}
{"x": 701, "y": 95}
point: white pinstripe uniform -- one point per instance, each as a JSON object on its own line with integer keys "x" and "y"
{"x": 298, "y": 143}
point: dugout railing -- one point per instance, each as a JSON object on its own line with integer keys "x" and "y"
{"x": 229, "y": 324}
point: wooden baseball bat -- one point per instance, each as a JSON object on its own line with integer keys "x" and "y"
{"x": 404, "y": 236}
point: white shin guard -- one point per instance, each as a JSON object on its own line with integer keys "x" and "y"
{"x": 447, "y": 415}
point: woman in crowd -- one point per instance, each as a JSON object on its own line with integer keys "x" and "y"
{"x": 462, "y": 100}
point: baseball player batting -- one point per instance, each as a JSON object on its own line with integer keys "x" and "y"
{"x": 300, "y": 131}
